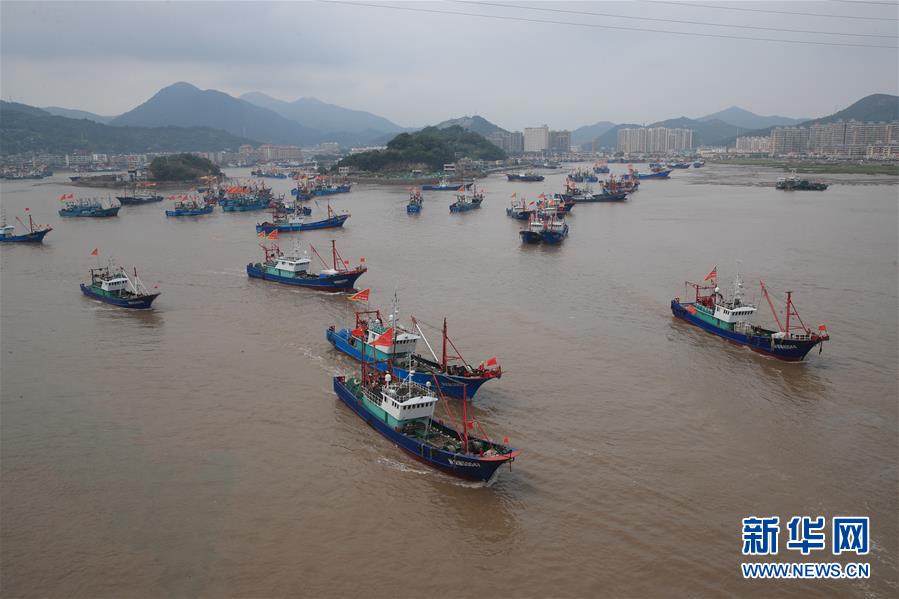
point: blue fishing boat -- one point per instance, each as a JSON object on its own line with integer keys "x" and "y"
{"x": 555, "y": 230}
{"x": 699, "y": 164}
{"x": 396, "y": 344}
{"x": 293, "y": 269}
{"x": 582, "y": 176}
{"x": 678, "y": 165}
{"x": 528, "y": 177}
{"x": 403, "y": 412}
{"x": 533, "y": 234}
{"x": 464, "y": 202}
{"x": 112, "y": 285}
{"x": 522, "y": 210}
{"x": 445, "y": 185}
{"x": 601, "y": 168}
{"x": 661, "y": 174}
{"x": 415, "y": 202}
{"x": 606, "y": 196}
{"x": 135, "y": 198}
{"x": 730, "y": 318}
{"x": 300, "y": 195}
{"x": 189, "y": 208}
{"x": 268, "y": 174}
{"x": 92, "y": 208}
{"x": 298, "y": 223}
{"x": 246, "y": 204}
{"x": 34, "y": 234}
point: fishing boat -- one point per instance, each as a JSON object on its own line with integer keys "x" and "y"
{"x": 445, "y": 185}
{"x": 601, "y": 168}
{"x": 731, "y": 318}
{"x": 415, "y": 202}
{"x": 465, "y": 202}
{"x": 293, "y": 269}
{"x": 582, "y": 176}
{"x": 391, "y": 345}
{"x": 533, "y": 234}
{"x": 403, "y": 412}
{"x": 521, "y": 209}
{"x": 112, "y": 285}
{"x": 298, "y": 223}
{"x": 658, "y": 174}
{"x": 678, "y": 165}
{"x": 585, "y": 195}
{"x": 34, "y": 233}
{"x": 529, "y": 177}
{"x": 189, "y": 208}
{"x": 794, "y": 182}
{"x": 268, "y": 174}
{"x": 699, "y": 164}
{"x": 92, "y": 208}
{"x": 555, "y": 230}
{"x": 136, "y": 198}
{"x": 247, "y": 204}
{"x": 332, "y": 189}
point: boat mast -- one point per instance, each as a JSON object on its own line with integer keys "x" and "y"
{"x": 771, "y": 305}
{"x": 334, "y": 252}
{"x": 443, "y": 359}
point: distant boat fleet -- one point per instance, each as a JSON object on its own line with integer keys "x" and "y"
{"x": 398, "y": 388}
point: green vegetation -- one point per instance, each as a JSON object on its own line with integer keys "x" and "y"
{"x": 181, "y": 167}
{"x": 429, "y": 148}
{"x": 850, "y": 168}
{"x": 25, "y": 129}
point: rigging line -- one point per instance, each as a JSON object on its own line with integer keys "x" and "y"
{"x": 600, "y": 14}
{"x": 774, "y": 12}
{"x": 595, "y": 26}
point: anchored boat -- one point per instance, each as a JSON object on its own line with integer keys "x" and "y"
{"x": 795, "y": 183}
{"x": 298, "y": 223}
{"x": 403, "y": 412}
{"x": 445, "y": 185}
{"x": 529, "y": 177}
{"x": 544, "y": 227}
{"x": 92, "y": 208}
{"x": 293, "y": 269}
{"x": 112, "y": 285}
{"x": 189, "y": 207}
{"x": 396, "y": 345}
{"x": 34, "y": 234}
{"x": 730, "y": 318}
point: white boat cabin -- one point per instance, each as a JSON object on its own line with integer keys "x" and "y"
{"x": 117, "y": 282}
{"x": 292, "y": 264}
{"x": 734, "y": 313}
{"x": 403, "y": 342}
{"x": 407, "y": 401}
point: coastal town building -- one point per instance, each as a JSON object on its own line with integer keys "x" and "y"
{"x": 536, "y": 139}
{"x": 654, "y": 139}
{"x": 753, "y": 145}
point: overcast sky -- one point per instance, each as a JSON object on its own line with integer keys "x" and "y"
{"x": 419, "y": 68}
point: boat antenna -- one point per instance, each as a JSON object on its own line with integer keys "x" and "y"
{"x": 771, "y": 305}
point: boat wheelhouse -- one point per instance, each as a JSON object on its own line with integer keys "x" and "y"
{"x": 112, "y": 285}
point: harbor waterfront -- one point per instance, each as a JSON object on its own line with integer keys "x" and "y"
{"x": 199, "y": 449}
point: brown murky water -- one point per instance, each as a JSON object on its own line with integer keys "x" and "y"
{"x": 198, "y": 450}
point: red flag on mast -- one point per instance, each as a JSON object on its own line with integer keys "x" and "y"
{"x": 386, "y": 339}
{"x": 713, "y": 275}
{"x": 95, "y": 252}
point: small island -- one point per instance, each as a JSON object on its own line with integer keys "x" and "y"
{"x": 429, "y": 149}
{"x": 183, "y": 168}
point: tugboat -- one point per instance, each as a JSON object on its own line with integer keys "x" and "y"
{"x": 415, "y": 201}
{"x": 445, "y": 185}
{"x": 403, "y": 412}
{"x": 730, "y": 318}
{"x": 396, "y": 345}
{"x": 93, "y": 208}
{"x": 529, "y": 177}
{"x": 464, "y": 203}
{"x": 794, "y": 183}
{"x": 297, "y": 223}
{"x": 112, "y": 285}
{"x": 293, "y": 269}
{"x": 35, "y": 234}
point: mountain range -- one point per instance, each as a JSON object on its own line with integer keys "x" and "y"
{"x": 475, "y": 124}
{"x": 26, "y": 129}
{"x": 749, "y": 120}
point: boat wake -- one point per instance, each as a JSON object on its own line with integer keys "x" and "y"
{"x": 400, "y": 466}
